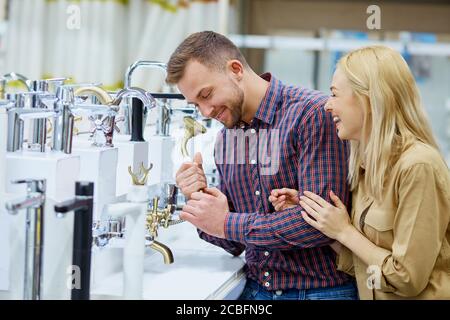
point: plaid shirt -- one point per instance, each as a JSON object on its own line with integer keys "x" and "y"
{"x": 282, "y": 251}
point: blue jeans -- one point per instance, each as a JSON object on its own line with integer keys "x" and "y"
{"x": 254, "y": 291}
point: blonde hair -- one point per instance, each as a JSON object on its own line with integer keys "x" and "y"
{"x": 394, "y": 117}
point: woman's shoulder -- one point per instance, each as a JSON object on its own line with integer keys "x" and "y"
{"x": 424, "y": 159}
{"x": 421, "y": 153}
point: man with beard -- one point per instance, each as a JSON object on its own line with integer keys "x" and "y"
{"x": 286, "y": 258}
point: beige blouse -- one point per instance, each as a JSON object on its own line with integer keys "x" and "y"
{"x": 410, "y": 226}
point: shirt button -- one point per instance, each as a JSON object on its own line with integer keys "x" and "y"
{"x": 253, "y": 131}
{"x": 253, "y": 161}
{"x": 266, "y": 274}
{"x": 266, "y": 253}
{"x": 267, "y": 284}
{"x": 279, "y": 292}
{"x": 257, "y": 192}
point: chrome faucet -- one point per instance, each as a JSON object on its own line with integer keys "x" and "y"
{"x": 163, "y": 121}
{"x": 64, "y": 119}
{"x": 105, "y": 230}
{"x": 43, "y": 84}
{"x": 22, "y": 111}
{"x": 34, "y": 235}
{"x": 142, "y": 102}
{"x": 102, "y": 121}
{"x": 12, "y": 76}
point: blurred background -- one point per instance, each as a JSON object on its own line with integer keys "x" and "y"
{"x": 298, "y": 41}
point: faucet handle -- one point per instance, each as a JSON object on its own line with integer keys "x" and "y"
{"x": 140, "y": 178}
{"x": 33, "y": 185}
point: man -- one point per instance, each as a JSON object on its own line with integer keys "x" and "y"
{"x": 285, "y": 257}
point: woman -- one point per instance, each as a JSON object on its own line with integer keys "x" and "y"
{"x": 396, "y": 242}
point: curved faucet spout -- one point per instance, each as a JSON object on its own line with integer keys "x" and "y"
{"x": 13, "y": 76}
{"x": 103, "y": 96}
{"x": 164, "y": 250}
{"x": 134, "y": 92}
{"x": 142, "y": 63}
{"x": 140, "y": 105}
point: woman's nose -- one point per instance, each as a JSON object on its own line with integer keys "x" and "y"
{"x": 328, "y": 106}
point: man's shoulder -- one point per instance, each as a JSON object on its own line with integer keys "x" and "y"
{"x": 303, "y": 101}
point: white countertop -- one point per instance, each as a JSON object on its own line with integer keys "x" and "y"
{"x": 200, "y": 270}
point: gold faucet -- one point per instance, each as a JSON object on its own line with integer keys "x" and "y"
{"x": 192, "y": 128}
{"x": 158, "y": 217}
{"x": 164, "y": 250}
{"x": 140, "y": 178}
{"x": 155, "y": 218}
{"x": 97, "y": 92}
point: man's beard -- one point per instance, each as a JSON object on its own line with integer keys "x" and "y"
{"x": 235, "y": 107}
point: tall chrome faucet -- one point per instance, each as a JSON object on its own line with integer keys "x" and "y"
{"x": 142, "y": 103}
{"x": 34, "y": 234}
{"x": 163, "y": 120}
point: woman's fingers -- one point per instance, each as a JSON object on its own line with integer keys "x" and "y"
{"x": 312, "y": 204}
{"x": 310, "y": 221}
{"x": 310, "y": 210}
{"x": 317, "y": 199}
{"x": 337, "y": 201}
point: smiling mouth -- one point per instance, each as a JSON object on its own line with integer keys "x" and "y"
{"x": 219, "y": 116}
{"x": 336, "y": 120}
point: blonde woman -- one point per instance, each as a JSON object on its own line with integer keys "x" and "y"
{"x": 396, "y": 240}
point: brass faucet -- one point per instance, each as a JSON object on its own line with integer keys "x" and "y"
{"x": 192, "y": 128}
{"x": 155, "y": 218}
{"x": 140, "y": 178}
{"x": 164, "y": 250}
{"x": 102, "y": 96}
{"x": 158, "y": 217}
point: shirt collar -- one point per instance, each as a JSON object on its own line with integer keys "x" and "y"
{"x": 271, "y": 100}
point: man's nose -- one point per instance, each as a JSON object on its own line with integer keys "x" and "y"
{"x": 206, "y": 111}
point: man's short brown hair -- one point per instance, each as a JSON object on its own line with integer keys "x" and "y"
{"x": 207, "y": 47}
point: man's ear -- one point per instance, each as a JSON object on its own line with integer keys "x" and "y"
{"x": 236, "y": 68}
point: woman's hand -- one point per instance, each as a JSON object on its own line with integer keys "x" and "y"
{"x": 332, "y": 221}
{"x": 284, "y": 198}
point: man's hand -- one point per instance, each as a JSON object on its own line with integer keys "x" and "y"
{"x": 191, "y": 177}
{"x": 284, "y": 198}
{"x": 207, "y": 211}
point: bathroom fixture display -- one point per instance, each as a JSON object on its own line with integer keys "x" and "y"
{"x": 34, "y": 234}
{"x": 82, "y": 205}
